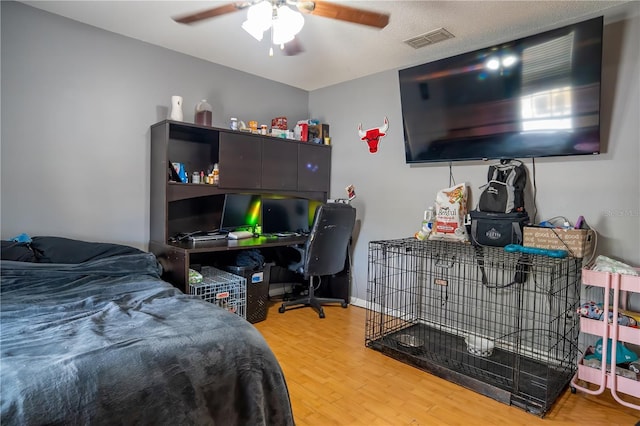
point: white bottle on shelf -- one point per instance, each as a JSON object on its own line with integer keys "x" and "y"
{"x": 176, "y": 108}
{"x": 216, "y": 174}
{"x": 427, "y": 224}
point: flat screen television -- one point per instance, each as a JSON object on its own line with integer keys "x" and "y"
{"x": 240, "y": 212}
{"x": 537, "y": 96}
{"x": 285, "y": 215}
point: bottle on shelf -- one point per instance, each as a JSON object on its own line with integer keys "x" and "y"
{"x": 209, "y": 175}
{"x": 176, "y": 108}
{"x": 216, "y": 174}
{"x": 427, "y": 224}
{"x": 204, "y": 113}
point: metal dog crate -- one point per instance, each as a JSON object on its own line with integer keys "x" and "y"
{"x": 428, "y": 300}
{"x": 223, "y": 289}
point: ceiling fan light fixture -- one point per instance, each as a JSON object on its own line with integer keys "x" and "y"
{"x": 286, "y": 24}
{"x": 294, "y": 21}
{"x": 254, "y": 30}
{"x": 258, "y": 20}
{"x": 280, "y": 35}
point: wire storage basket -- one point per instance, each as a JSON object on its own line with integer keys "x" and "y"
{"x": 222, "y": 288}
{"x": 502, "y": 324}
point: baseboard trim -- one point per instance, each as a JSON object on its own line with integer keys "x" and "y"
{"x": 280, "y": 290}
{"x": 361, "y": 303}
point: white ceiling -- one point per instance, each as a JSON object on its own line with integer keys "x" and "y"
{"x": 335, "y": 51}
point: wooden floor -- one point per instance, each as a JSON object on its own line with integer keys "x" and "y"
{"x": 334, "y": 379}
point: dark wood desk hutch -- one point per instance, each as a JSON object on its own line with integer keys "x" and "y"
{"x": 248, "y": 163}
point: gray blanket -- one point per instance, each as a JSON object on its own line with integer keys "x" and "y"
{"x": 108, "y": 342}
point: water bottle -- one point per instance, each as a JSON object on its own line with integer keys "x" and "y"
{"x": 216, "y": 174}
{"x": 427, "y": 224}
{"x": 430, "y": 216}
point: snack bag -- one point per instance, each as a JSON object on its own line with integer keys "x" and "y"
{"x": 451, "y": 209}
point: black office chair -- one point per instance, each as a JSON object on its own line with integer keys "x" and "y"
{"x": 324, "y": 252}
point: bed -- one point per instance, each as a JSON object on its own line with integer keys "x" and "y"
{"x": 90, "y": 334}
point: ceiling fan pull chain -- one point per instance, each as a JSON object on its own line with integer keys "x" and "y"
{"x": 271, "y": 45}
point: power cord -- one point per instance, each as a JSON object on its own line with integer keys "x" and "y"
{"x": 452, "y": 180}
{"x": 535, "y": 191}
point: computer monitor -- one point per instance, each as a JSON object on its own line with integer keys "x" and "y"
{"x": 240, "y": 211}
{"x": 284, "y": 215}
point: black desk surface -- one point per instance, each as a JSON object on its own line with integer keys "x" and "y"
{"x": 243, "y": 244}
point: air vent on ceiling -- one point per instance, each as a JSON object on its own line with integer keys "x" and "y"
{"x": 431, "y": 37}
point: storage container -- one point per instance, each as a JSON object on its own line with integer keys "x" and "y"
{"x": 578, "y": 242}
{"x": 223, "y": 289}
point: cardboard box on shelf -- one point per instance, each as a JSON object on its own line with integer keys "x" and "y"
{"x": 578, "y": 242}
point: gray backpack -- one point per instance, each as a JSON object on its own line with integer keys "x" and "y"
{"x": 504, "y": 193}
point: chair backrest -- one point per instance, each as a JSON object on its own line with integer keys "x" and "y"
{"x": 326, "y": 246}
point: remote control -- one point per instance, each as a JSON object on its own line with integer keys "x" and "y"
{"x": 512, "y": 248}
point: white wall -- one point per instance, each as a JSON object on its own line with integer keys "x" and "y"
{"x": 77, "y": 103}
{"x": 391, "y": 195}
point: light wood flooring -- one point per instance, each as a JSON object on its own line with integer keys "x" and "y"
{"x": 334, "y": 379}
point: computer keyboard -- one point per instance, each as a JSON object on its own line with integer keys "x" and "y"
{"x": 286, "y": 234}
{"x": 208, "y": 237}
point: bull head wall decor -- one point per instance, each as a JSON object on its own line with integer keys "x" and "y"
{"x": 372, "y": 136}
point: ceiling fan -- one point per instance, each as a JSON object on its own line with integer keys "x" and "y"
{"x": 284, "y": 22}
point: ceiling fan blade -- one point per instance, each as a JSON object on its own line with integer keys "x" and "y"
{"x": 292, "y": 48}
{"x": 211, "y": 13}
{"x": 344, "y": 13}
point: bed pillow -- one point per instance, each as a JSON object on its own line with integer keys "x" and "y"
{"x": 18, "y": 251}
{"x": 66, "y": 250}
